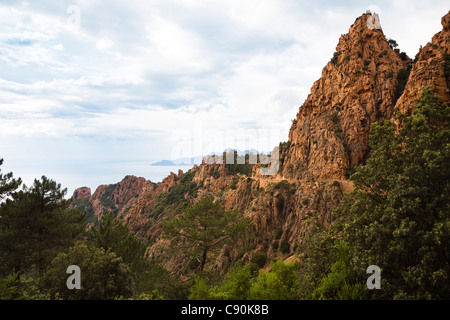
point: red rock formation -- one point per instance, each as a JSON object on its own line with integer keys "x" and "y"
{"x": 81, "y": 193}
{"x": 357, "y": 88}
{"x": 329, "y": 134}
{"x": 429, "y": 69}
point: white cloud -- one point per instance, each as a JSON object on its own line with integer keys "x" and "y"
{"x": 145, "y": 72}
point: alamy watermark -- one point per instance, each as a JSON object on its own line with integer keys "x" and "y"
{"x": 74, "y": 19}
{"x": 247, "y": 143}
{"x": 374, "y": 281}
{"x": 74, "y": 281}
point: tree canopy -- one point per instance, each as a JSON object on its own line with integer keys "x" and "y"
{"x": 204, "y": 227}
{"x": 36, "y": 224}
{"x": 398, "y": 216}
{"x": 7, "y": 183}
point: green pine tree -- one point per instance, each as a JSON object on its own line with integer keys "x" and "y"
{"x": 7, "y": 183}
{"x": 204, "y": 227}
{"x": 398, "y": 216}
{"x": 36, "y": 224}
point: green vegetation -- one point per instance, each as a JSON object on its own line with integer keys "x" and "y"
{"x": 7, "y": 183}
{"x": 285, "y": 247}
{"x": 397, "y": 217}
{"x": 242, "y": 168}
{"x": 85, "y": 205}
{"x": 176, "y": 194}
{"x": 36, "y": 224}
{"x": 335, "y": 58}
{"x": 334, "y": 285}
{"x": 335, "y": 117}
{"x": 447, "y": 69}
{"x": 285, "y": 144}
{"x": 40, "y": 236}
{"x": 259, "y": 258}
{"x": 205, "y": 227}
{"x": 382, "y": 54}
{"x": 402, "y": 79}
{"x": 105, "y": 276}
{"x": 305, "y": 201}
{"x": 403, "y": 56}
{"x": 392, "y": 43}
{"x": 234, "y": 183}
{"x": 107, "y": 199}
{"x": 245, "y": 282}
{"x": 215, "y": 173}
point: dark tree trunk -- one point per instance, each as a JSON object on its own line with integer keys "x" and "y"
{"x": 203, "y": 262}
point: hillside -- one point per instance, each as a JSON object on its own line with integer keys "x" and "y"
{"x": 366, "y": 81}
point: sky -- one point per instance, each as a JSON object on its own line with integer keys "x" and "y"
{"x": 91, "y": 91}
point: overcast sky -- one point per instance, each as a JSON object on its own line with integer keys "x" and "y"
{"x": 93, "y": 90}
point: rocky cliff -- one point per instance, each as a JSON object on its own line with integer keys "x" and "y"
{"x": 81, "y": 193}
{"x": 365, "y": 81}
{"x": 357, "y": 88}
{"x": 431, "y": 68}
{"x": 117, "y": 198}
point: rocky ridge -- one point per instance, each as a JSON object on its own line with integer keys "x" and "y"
{"x": 359, "y": 86}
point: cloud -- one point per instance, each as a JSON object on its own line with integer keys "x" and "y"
{"x": 147, "y": 75}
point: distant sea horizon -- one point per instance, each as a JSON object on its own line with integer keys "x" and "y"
{"x": 76, "y": 176}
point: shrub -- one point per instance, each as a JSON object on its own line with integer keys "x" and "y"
{"x": 336, "y": 55}
{"x": 403, "y": 56}
{"x": 402, "y": 79}
{"x": 259, "y": 258}
{"x": 233, "y": 184}
{"x": 392, "y": 43}
{"x": 447, "y": 68}
{"x": 382, "y": 54}
{"x": 285, "y": 247}
{"x": 279, "y": 233}
{"x": 275, "y": 245}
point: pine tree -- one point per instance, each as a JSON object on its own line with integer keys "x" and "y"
{"x": 7, "y": 183}
{"x": 36, "y": 225}
{"x": 204, "y": 227}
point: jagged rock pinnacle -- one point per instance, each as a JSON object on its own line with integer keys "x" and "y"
{"x": 357, "y": 88}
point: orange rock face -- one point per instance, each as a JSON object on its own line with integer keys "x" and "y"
{"x": 429, "y": 69}
{"x": 82, "y": 193}
{"x": 357, "y": 88}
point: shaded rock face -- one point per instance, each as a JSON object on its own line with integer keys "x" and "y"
{"x": 357, "y": 88}
{"x": 430, "y": 69}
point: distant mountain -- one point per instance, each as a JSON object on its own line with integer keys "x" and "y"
{"x": 179, "y": 162}
{"x": 164, "y": 163}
